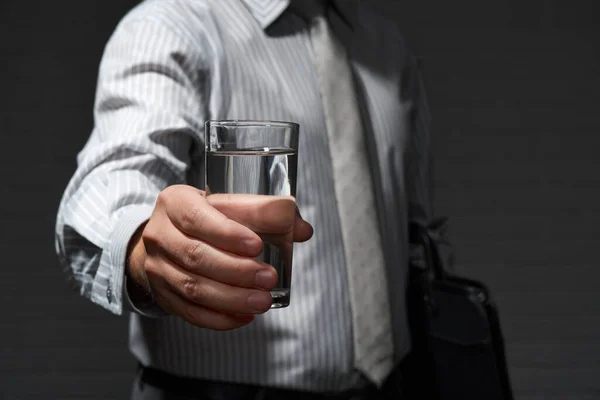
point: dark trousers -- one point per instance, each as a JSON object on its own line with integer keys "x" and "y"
{"x": 151, "y": 384}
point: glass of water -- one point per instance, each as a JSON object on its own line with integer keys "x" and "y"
{"x": 257, "y": 157}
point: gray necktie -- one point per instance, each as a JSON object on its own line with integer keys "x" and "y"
{"x": 373, "y": 348}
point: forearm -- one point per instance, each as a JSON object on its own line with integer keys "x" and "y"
{"x": 140, "y": 145}
{"x": 94, "y": 225}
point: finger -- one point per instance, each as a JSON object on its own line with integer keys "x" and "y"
{"x": 261, "y": 213}
{"x": 201, "y": 316}
{"x": 264, "y": 214}
{"x": 211, "y": 294}
{"x": 189, "y": 211}
{"x": 201, "y": 258}
{"x": 302, "y": 229}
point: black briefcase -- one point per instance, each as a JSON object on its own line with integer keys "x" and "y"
{"x": 457, "y": 345}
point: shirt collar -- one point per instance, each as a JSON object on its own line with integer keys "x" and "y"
{"x": 267, "y": 11}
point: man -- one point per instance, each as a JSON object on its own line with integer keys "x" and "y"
{"x": 138, "y": 236}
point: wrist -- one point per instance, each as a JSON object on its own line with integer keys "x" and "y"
{"x": 137, "y": 283}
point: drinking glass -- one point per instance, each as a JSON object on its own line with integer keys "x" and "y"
{"x": 257, "y": 157}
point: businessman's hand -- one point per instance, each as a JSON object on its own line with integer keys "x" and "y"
{"x": 195, "y": 255}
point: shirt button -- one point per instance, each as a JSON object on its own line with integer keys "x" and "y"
{"x": 109, "y": 293}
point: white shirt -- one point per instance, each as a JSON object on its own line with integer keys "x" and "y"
{"x": 170, "y": 66}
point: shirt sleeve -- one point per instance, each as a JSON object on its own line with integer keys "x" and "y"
{"x": 148, "y": 122}
{"x": 419, "y": 173}
{"x": 419, "y": 165}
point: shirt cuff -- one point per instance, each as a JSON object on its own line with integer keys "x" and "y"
{"x": 131, "y": 219}
{"x": 147, "y": 309}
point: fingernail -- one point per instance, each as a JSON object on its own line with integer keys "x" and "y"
{"x": 259, "y": 301}
{"x": 265, "y": 279}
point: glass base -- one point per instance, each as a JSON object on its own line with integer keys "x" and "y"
{"x": 281, "y": 298}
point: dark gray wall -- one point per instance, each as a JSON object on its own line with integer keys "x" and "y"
{"x": 515, "y": 92}
{"x": 53, "y": 345}
{"x": 514, "y": 88}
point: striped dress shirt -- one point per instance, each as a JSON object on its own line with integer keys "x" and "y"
{"x": 170, "y": 66}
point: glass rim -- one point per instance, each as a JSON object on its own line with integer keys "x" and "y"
{"x": 251, "y": 123}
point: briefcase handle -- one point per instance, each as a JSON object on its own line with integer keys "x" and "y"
{"x": 428, "y": 237}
